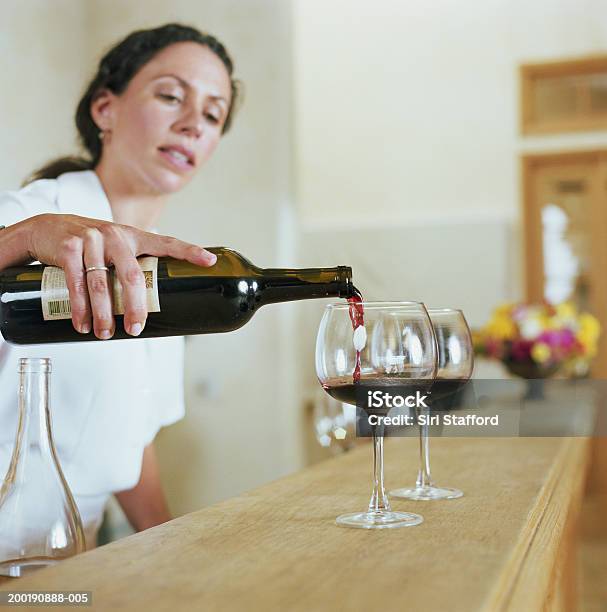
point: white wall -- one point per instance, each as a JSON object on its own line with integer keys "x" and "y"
{"x": 408, "y": 111}
{"x": 42, "y": 76}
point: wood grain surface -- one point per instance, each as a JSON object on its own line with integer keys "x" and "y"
{"x": 500, "y": 547}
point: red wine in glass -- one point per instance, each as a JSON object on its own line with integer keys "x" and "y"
{"x": 446, "y": 393}
{"x": 343, "y": 389}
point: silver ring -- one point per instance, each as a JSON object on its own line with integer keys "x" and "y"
{"x": 93, "y": 268}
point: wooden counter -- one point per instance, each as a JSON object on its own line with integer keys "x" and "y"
{"x": 506, "y": 545}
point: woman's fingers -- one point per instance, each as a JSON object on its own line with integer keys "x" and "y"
{"x": 98, "y": 283}
{"x": 132, "y": 279}
{"x": 76, "y": 284}
{"x": 118, "y": 243}
{"x": 154, "y": 244}
{"x": 75, "y": 243}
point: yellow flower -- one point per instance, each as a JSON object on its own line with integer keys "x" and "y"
{"x": 501, "y": 327}
{"x": 589, "y": 344}
{"x": 547, "y": 322}
{"x": 589, "y": 326}
{"x": 503, "y": 310}
{"x": 564, "y": 317}
{"x": 566, "y": 310}
{"x": 540, "y": 352}
{"x": 588, "y": 334}
{"x": 589, "y": 349}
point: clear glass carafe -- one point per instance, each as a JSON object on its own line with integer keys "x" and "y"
{"x": 39, "y": 521}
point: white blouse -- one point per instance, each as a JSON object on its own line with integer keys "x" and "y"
{"x": 108, "y": 398}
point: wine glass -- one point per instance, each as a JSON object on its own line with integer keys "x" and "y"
{"x": 377, "y": 344}
{"x": 455, "y": 365}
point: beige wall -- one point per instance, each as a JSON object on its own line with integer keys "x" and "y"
{"x": 43, "y": 61}
{"x": 407, "y": 111}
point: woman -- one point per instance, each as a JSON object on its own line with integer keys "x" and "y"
{"x": 151, "y": 117}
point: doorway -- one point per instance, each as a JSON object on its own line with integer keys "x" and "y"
{"x": 565, "y": 239}
{"x": 565, "y": 234}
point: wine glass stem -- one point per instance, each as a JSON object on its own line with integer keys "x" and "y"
{"x": 379, "y": 501}
{"x": 423, "y": 477}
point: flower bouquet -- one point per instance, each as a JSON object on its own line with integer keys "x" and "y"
{"x": 539, "y": 340}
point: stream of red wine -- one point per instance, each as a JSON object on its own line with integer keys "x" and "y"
{"x": 357, "y": 316}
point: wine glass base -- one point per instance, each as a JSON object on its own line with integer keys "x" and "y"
{"x": 426, "y": 493}
{"x": 379, "y": 520}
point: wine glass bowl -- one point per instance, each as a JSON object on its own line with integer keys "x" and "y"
{"x": 454, "y": 341}
{"x": 381, "y": 344}
{"x": 455, "y": 363}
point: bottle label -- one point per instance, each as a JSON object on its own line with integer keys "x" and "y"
{"x": 55, "y": 296}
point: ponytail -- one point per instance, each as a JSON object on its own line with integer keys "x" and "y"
{"x": 57, "y": 167}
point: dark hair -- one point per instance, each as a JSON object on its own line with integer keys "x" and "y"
{"x": 116, "y": 69}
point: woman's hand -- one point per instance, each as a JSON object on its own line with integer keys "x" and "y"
{"x": 76, "y": 243}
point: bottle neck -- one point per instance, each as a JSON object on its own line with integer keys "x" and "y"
{"x": 34, "y": 426}
{"x": 282, "y": 285}
{"x": 35, "y": 388}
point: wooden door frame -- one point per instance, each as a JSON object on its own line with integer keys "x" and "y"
{"x": 533, "y": 256}
{"x": 533, "y": 265}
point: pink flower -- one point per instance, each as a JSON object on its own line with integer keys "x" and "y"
{"x": 561, "y": 341}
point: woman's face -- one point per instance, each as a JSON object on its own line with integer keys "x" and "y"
{"x": 168, "y": 121}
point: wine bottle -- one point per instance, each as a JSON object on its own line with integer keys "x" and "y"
{"x": 183, "y": 298}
